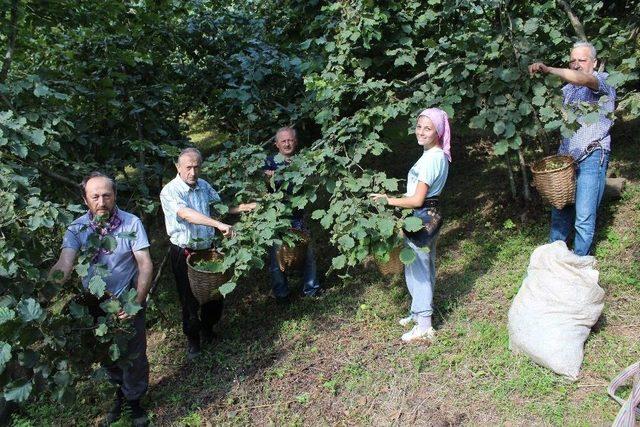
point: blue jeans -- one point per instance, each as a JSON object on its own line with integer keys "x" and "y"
{"x": 310, "y": 284}
{"x": 421, "y": 277}
{"x": 591, "y": 176}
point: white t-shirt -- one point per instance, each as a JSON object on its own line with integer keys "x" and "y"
{"x": 431, "y": 168}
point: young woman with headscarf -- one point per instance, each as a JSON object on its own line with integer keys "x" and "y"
{"x": 425, "y": 182}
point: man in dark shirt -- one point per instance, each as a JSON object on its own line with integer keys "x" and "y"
{"x": 287, "y": 143}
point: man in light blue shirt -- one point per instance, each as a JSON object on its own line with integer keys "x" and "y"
{"x": 186, "y": 202}
{"x": 590, "y": 145}
{"x": 127, "y": 265}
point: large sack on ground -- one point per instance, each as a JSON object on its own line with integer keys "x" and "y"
{"x": 558, "y": 303}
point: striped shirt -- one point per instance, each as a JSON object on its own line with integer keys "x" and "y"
{"x": 178, "y": 194}
{"x": 594, "y": 132}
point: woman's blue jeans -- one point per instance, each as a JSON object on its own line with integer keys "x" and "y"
{"x": 591, "y": 176}
{"x": 421, "y": 277}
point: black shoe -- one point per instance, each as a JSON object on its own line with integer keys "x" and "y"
{"x": 193, "y": 348}
{"x": 317, "y": 294}
{"x": 207, "y": 337}
{"x": 116, "y": 410}
{"x": 138, "y": 414}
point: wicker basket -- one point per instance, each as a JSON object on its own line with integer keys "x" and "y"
{"x": 292, "y": 258}
{"x": 205, "y": 284}
{"x": 394, "y": 265}
{"x": 556, "y": 186}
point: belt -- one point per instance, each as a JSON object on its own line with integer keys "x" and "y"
{"x": 431, "y": 202}
{"x": 595, "y": 145}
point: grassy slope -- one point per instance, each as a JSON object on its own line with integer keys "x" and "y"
{"x": 338, "y": 360}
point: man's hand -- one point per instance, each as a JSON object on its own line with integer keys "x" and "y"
{"x": 122, "y": 315}
{"x": 538, "y": 67}
{"x": 247, "y": 207}
{"x": 226, "y": 230}
{"x": 269, "y": 173}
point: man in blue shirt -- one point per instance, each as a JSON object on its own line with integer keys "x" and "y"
{"x": 127, "y": 265}
{"x": 286, "y": 141}
{"x": 590, "y": 145}
{"x": 186, "y": 202}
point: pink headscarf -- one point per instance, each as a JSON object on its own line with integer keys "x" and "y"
{"x": 441, "y": 122}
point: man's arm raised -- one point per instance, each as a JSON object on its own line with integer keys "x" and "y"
{"x": 63, "y": 265}
{"x": 575, "y": 77}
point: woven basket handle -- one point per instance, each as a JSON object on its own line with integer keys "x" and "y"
{"x": 629, "y": 411}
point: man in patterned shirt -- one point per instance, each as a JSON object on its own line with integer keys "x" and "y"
{"x": 590, "y": 145}
{"x": 186, "y": 204}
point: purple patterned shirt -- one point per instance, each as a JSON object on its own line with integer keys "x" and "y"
{"x": 588, "y": 133}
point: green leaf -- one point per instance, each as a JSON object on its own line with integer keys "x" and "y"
{"x": 82, "y": 269}
{"x": 317, "y": 214}
{"x": 412, "y": 223}
{"x": 97, "y": 286}
{"x": 5, "y": 355}
{"x": 127, "y": 235}
{"x": 18, "y": 392}
{"x": 346, "y": 242}
{"x": 28, "y": 358}
{"x": 78, "y": 311}
{"x": 501, "y": 147}
{"x": 29, "y": 310}
{"x": 339, "y": 262}
{"x": 591, "y": 118}
{"x": 62, "y": 378}
{"x": 101, "y": 330}
{"x": 131, "y": 308}
{"x": 386, "y": 226}
{"x": 114, "y": 352}
{"x": 227, "y": 288}
{"x": 499, "y": 127}
{"x": 6, "y": 315}
{"x": 407, "y": 255}
{"x": 531, "y": 26}
{"x": 538, "y": 101}
{"x": 109, "y": 243}
{"x": 111, "y": 306}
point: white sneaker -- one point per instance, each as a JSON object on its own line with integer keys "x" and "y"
{"x": 416, "y": 333}
{"x": 406, "y": 320}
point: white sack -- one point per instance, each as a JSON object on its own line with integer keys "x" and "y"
{"x": 558, "y": 303}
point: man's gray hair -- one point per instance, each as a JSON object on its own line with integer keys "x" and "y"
{"x": 96, "y": 174}
{"x": 592, "y": 49}
{"x": 287, "y": 129}
{"x": 190, "y": 151}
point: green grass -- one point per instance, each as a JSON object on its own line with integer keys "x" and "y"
{"x": 339, "y": 360}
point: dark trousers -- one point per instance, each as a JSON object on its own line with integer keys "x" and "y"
{"x": 195, "y": 318}
{"x": 133, "y": 379}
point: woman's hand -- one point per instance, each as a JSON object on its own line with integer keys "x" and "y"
{"x": 378, "y": 196}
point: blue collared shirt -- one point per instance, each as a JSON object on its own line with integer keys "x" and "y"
{"x": 120, "y": 265}
{"x": 588, "y": 133}
{"x": 178, "y": 194}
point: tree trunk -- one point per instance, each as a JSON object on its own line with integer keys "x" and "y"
{"x": 13, "y": 28}
{"x": 575, "y": 22}
{"x": 512, "y": 181}
{"x": 525, "y": 178}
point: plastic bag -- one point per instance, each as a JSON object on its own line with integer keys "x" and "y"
{"x": 558, "y": 303}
